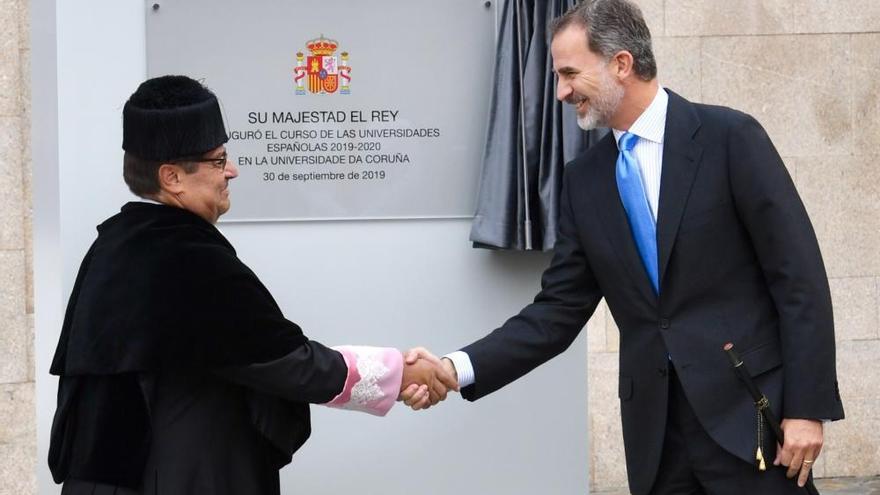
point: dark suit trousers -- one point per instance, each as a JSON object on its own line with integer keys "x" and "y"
{"x": 693, "y": 463}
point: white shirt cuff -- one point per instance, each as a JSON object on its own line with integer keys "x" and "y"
{"x": 463, "y": 367}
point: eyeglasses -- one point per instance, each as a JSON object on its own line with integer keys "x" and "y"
{"x": 218, "y": 162}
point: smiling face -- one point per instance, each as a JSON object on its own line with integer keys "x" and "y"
{"x": 205, "y": 192}
{"x": 585, "y": 79}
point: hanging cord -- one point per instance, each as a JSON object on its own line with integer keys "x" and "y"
{"x": 527, "y": 222}
{"x": 759, "y": 451}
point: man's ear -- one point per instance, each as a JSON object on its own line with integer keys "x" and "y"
{"x": 624, "y": 64}
{"x": 170, "y": 178}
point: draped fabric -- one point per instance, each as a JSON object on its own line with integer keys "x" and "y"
{"x": 531, "y": 134}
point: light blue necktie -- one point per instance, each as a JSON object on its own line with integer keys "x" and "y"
{"x": 632, "y": 194}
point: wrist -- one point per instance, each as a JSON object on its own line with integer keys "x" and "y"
{"x": 449, "y": 366}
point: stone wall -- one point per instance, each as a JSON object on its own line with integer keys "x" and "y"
{"x": 809, "y": 71}
{"x": 17, "y": 415}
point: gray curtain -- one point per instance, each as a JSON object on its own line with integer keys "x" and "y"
{"x": 531, "y": 135}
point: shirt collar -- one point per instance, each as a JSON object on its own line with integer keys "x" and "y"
{"x": 651, "y": 124}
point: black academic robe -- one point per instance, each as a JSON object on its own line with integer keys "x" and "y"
{"x": 178, "y": 372}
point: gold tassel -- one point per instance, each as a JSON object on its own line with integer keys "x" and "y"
{"x": 759, "y": 452}
{"x": 759, "y": 456}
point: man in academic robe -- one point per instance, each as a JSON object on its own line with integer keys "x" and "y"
{"x": 686, "y": 221}
{"x": 178, "y": 372}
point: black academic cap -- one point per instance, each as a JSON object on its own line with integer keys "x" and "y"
{"x": 172, "y": 117}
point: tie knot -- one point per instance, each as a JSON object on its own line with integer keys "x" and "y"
{"x": 627, "y": 141}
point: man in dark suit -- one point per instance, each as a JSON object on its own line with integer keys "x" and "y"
{"x": 685, "y": 220}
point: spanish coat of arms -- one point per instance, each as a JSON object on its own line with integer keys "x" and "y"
{"x": 321, "y": 72}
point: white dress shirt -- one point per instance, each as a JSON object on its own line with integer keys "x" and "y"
{"x": 650, "y": 127}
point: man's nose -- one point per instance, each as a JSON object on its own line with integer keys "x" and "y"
{"x": 563, "y": 90}
{"x": 231, "y": 170}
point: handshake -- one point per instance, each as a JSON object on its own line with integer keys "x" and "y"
{"x": 426, "y": 379}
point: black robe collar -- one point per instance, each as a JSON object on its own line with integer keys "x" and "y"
{"x": 161, "y": 289}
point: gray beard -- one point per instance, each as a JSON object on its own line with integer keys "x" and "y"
{"x": 603, "y": 106}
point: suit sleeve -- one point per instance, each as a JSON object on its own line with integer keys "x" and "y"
{"x": 546, "y": 327}
{"x": 786, "y": 247}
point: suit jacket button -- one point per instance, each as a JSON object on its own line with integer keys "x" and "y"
{"x": 664, "y": 323}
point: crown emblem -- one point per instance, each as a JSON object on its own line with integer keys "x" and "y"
{"x": 322, "y": 70}
{"x": 322, "y": 46}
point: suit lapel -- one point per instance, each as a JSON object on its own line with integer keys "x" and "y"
{"x": 613, "y": 217}
{"x": 681, "y": 160}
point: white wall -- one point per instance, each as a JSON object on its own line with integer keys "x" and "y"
{"x": 397, "y": 283}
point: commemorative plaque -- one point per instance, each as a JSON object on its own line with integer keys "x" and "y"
{"x": 340, "y": 109}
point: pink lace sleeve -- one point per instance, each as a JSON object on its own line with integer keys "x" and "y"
{"x": 373, "y": 382}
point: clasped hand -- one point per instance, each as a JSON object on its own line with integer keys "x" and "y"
{"x": 426, "y": 379}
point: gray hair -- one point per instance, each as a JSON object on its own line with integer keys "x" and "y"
{"x": 612, "y": 26}
{"x": 142, "y": 176}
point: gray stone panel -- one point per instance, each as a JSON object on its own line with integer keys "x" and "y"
{"x": 798, "y": 87}
{"x": 858, "y": 377}
{"x": 16, "y": 412}
{"x": 607, "y": 462}
{"x": 15, "y": 342}
{"x": 12, "y": 200}
{"x": 852, "y": 446}
{"x": 31, "y": 359}
{"x": 10, "y": 64}
{"x": 751, "y": 17}
{"x": 17, "y": 474}
{"x": 866, "y": 92}
{"x": 840, "y": 193}
{"x": 596, "y": 330}
{"x": 679, "y": 66}
{"x": 11, "y": 285}
{"x": 654, "y": 14}
{"x": 612, "y": 333}
{"x": 855, "y": 308}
